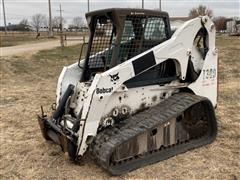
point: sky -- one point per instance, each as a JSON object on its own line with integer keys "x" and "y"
{"x": 19, "y": 9}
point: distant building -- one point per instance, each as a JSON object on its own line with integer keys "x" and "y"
{"x": 233, "y": 27}
{"x": 16, "y": 27}
{"x": 76, "y": 29}
{"x": 41, "y": 29}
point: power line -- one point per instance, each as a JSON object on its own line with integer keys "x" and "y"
{"x": 88, "y": 4}
{"x": 50, "y": 30}
{"x": 61, "y": 26}
{"x": 4, "y": 16}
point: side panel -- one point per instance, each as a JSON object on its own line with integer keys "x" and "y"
{"x": 206, "y": 84}
{"x": 137, "y": 99}
{"x": 69, "y": 75}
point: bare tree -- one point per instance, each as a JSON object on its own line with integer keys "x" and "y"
{"x": 201, "y": 10}
{"x": 77, "y": 22}
{"x": 37, "y": 21}
{"x": 57, "y": 21}
{"x": 23, "y": 25}
{"x": 220, "y": 23}
{"x": 24, "y": 22}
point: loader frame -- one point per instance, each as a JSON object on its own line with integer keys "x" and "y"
{"x": 90, "y": 92}
{"x": 177, "y": 48}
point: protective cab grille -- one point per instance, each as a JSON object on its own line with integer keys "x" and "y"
{"x": 101, "y": 49}
{"x": 140, "y": 34}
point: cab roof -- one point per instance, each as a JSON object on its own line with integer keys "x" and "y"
{"x": 127, "y": 11}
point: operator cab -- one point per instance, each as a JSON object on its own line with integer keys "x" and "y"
{"x": 117, "y": 35}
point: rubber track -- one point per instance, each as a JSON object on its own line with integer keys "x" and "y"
{"x": 106, "y": 141}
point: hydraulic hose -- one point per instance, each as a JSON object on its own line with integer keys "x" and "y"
{"x": 60, "y": 109}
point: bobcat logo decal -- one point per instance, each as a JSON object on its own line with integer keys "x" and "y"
{"x": 114, "y": 77}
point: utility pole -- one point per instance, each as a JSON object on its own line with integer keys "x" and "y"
{"x": 160, "y": 5}
{"x": 50, "y": 30}
{"x": 61, "y": 27}
{"x": 88, "y": 5}
{"x": 142, "y": 4}
{"x": 4, "y": 16}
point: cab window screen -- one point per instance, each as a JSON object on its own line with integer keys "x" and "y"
{"x": 155, "y": 29}
{"x": 131, "y": 38}
{"x": 102, "y": 44}
{"x": 140, "y": 34}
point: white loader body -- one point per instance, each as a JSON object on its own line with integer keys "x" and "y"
{"x": 104, "y": 97}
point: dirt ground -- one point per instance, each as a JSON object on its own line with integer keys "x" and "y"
{"x": 27, "y": 83}
{"x": 32, "y": 48}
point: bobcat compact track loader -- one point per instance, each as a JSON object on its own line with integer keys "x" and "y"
{"x": 142, "y": 94}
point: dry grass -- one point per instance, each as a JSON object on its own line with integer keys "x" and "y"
{"x": 13, "y": 38}
{"x": 27, "y": 83}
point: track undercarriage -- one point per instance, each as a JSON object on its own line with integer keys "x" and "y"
{"x": 181, "y": 122}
